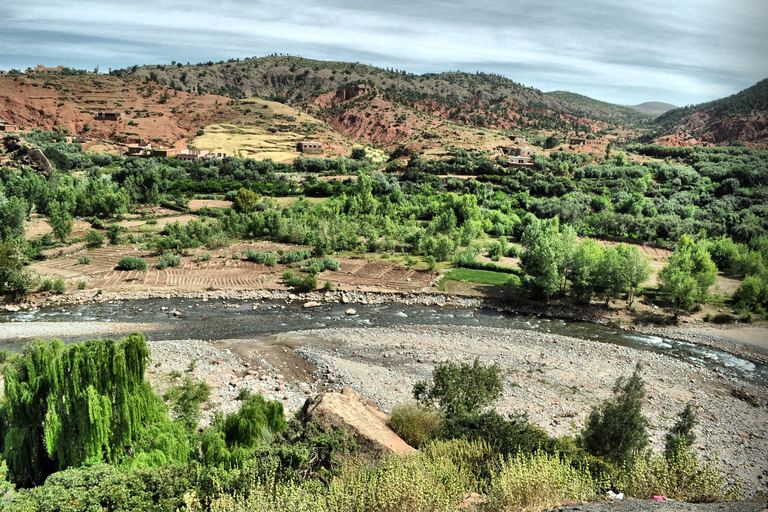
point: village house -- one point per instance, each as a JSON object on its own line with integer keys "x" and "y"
{"x": 8, "y": 127}
{"x": 160, "y": 152}
{"x": 42, "y": 69}
{"x": 108, "y": 116}
{"x": 520, "y": 161}
{"x": 193, "y": 154}
{"x": 306, "y": 146}
{"x": 587, "y": 142}
{"x": 519, "y": 139}
{"x": 519, "y": 151}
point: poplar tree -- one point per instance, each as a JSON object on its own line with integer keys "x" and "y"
{"x": 66, "y": 405}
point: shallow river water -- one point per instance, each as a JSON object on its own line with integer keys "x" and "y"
{"x": 220, "y": 319}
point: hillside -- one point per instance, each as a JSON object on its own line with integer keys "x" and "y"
{"x": 654, "y": 108}
{"x": 476, "y": 100}
{"x": 742, "y": 116}
{"x": 151, "y": 113}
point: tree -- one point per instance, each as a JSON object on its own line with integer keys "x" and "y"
{"x": 635, "y": 267}
{"x": 680, "y": 436}
{"x": 689, "y": 274}
{"x": 610, "y": 278}
{"x": 60, "y": 221}
{"x": 245, "y": 200}
{"x": 540, "y": 258}
{"x": 66, "y": 405}
{"x": 584, "y": 269}
{"x": 617, "y": 429}
{"x": 460, "y": 388}
{"x": 13, "y": 213}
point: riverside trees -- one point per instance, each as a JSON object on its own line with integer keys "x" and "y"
{"x": 689, "y": 274}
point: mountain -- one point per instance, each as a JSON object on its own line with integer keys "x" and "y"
{"x": 342, "y": 94}
{"x": 654, "y": 108}
{"x": 742, "y": 116}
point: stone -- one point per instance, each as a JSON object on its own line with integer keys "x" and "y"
{"x": 360, "y": 419}
{"x": 311, "y": 304}
{"x": 351, "y": 311}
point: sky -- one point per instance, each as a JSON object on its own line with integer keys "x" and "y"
{"x": 676, "y": 51}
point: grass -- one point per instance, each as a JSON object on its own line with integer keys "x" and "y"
{"x": 466, "y": 275}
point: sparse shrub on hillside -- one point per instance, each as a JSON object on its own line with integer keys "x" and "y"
{"x": 59, "y": 286}
{"x": 131, "y": 263}
{"x": 681, "y": 435}
{"x": 264, "y": 258}
{"x": 294, "y": 256}
{"x": 84, "y": 260}
{"x": 414, "y": 423}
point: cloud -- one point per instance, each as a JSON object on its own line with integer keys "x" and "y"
{"x": 683, "y": 52}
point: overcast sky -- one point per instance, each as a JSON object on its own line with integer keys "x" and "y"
{"x": 677, "y": 51}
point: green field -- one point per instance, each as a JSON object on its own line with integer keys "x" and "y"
{"x": 466, "y": 275}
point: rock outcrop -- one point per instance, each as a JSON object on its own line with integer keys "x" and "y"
{"x": 360, "y": 419}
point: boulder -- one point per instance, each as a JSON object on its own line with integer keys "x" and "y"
{"x": 360, "y": 419}
{"x": 39, "y": 161}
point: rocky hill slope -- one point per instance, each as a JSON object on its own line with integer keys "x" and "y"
{"x": 742, "y": 116}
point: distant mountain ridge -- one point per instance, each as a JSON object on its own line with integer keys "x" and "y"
{"x": 654, "y": 107}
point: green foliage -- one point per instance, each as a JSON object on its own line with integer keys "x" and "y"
{"x": 230, "y": 441}
{"x": 317, "y": 266}
{"x": 59, "y": 286}
{"x": 113, "y": 233}
{"x": 93, "y": 239}
{"x": 460, "y": 388}
{"x": 681, "y": 436}
{"x": 167, "y": 260}
{"x": 679, "y": 476}
{"x": 245, "y": 201}
{"x": 616, "y": 429}
{"x": 107, "y": 487}
{"x": 478, "y": 276}
{"x": 688, "y": 275}
{"x": 131, "y": 263}
{"x": 413, "y": 423}
{"x": 185, "y": 399}
{"x": 295, "y": 256}
{"x": 538, "y": 481}
{"x": 66, "y": 405}
{"x": 84, "y": 260}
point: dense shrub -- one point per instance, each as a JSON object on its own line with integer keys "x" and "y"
{"x": 168, "y": 260}
{"x": 460, "y": 388}
{"x": 538, "y": 481}
{"x": 294, "y": 256}
{"x": 680, "y": 476}
{"x": 413, "y": 423}
{"x": 84, "y": 260}
{"x": 265, "y": 258}
{"x": 131, "y": 263}
{"x": 93, "y": 239}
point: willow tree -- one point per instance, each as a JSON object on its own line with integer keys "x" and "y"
{"x": 66, "y": 405}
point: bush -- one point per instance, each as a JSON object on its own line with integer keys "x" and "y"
{"x": 264, "y": 258}
{"x": 617, "y": 429}
{"x": 460, "y": 388}
{"x": 131, "y": 263}
{"x": 84, "y": 260}
{"x": 59, "y": 286}
{"x": 317, "y": 266}
{"x": 81, "y": 285}
{"x": 413, "y": 423}
{"x": 46, "y": 285}
{"x": 681, "y": 436}
{"x": 538, "y": 481}
{"x": 93, "y": 239}
{"x": 168, "y": 260}
{"x": 679, "y": 476}
{"x": 302, "y": 284}
{"x": 294, "y": 256}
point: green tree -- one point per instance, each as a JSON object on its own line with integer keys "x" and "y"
{"x": 688, "y": 275}
{"x": 617, "y": 429}
{"x": 540, "y": 257}
{"x": 60, "y": 221}
{"x": 635, "y": 267}
{"x": 245, "y": 200}
{"x": 610, "y": 278}
{"x": 584, "y": 270}
{"x": 185, "y": 400}
{"x": 680, "y": 436}
{"x": 460, "y": 388}
{"x": 66, "y": 405}
{"x": 13, "y": 213}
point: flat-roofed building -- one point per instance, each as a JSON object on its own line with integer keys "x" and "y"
{"x": 307, "y": 146}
